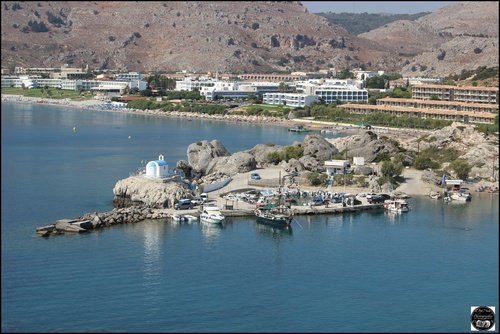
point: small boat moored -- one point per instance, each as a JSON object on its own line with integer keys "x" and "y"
{"x": 178, "y": 217}
{"x": 461, "y": 196}
{"x": 274, "y": 215}
{"x": 298, "y": 128}
{"x": 190, "y": 218}
{"x": 211, "y": 214}
{"x": 399, "y": 205}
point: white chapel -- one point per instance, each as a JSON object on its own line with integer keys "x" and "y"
{"x": 157, "y": 168}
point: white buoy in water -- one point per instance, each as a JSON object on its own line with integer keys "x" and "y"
{"x": 129, "y": 137}
{"x": 74, "y": 128}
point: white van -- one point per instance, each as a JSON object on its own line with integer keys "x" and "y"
{"x": 204, "y": 197}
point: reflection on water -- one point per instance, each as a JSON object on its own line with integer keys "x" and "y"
{"x": 396, "y": 217}
{"x": 273, "y": 231}
{"x": 153, "y": 232}
{"x": 211, "y": 231}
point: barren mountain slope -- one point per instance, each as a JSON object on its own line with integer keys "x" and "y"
{"x": 460, "y": 36}
{"x": 170, "y": 35}
{"x": 238, "y": 37}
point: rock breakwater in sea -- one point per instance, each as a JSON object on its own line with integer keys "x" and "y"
{"x": 92, "y": 221}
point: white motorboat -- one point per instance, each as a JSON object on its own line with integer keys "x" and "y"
{"x": 461, "y": 196}
{"x": 190, "y": 218}
{"x": 178, "y": 217}
{"x": 399, "y": 205}
{"x": 211, "y": 214}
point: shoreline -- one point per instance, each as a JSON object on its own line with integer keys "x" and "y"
{"x": 312, "y": 125}
{"x": 416, "y": 188}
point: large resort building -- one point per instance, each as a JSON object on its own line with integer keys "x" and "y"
{"x": 453, "y": 93}
{"x": 459, "y": 104}
{"x": 448, "y": 115}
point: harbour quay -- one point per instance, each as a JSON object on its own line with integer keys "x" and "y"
{"x": 92, "y": 221}
{"x": 335, "y": 208}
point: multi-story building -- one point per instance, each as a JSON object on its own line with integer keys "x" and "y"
{"x": 271, "y": 77}
{"x": 190, "y": 84}
{"x": 238, "y": 90}
{"x": 439, "y": 105}
{"x": 455, "y": 93}
{"x": 333, "y": 90}
{"x": 95, "y": 85}
{"x": 290, "y": 99}
{"x": 448, "y": 115}
{"x": 130, "y": 76}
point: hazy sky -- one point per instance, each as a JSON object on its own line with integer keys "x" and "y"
{"x": 375, "y": 7}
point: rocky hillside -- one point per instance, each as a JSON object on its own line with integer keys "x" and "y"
{"x": 236, "y": 37}
{"x": 211, "y": 162}
{"x": 460, "y": 36}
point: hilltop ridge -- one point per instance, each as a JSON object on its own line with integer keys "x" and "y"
{"x": 240, "y": 37}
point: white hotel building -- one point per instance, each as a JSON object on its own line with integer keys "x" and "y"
{"x": 237, "y": 90}
{"x": 94, "y": 85}
{"x": 289, "y": 99}
{"x": 331, "y": 90}
{"x": 326, "y": 90}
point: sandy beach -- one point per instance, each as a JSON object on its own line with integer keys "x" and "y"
{"x": 261, "y": 120}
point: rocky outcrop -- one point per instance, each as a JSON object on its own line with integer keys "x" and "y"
{"x": 138, "y": 197}
{"x": 239, "y": 162}
{"x": 261, "y": 151}
{"x": 212, "y": 162}
{"x": 368, "y": 145}
{"x": 318, "y": 147}
{"x": 201, "y": 153}
{"x": 153, "y": 193}
{"x": 479, "y": 149}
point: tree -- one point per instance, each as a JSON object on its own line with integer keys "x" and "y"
{"x": 461, "y": 168}
{"x": 391, "y": 170}
{"x": 316, "y": 178}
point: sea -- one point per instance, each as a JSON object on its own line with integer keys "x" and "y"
{"x": 370, "y": 271}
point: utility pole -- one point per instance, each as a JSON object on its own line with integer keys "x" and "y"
{"x": 493, "y": 168}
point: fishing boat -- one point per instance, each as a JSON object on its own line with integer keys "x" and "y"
{"x": 298, "y": 128}
{"x": 211, "y": 214}
{"x": 274, "y": 215}
{"x": 399, "y": 205}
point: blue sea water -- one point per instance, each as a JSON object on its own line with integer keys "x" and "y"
{"x": 363, "y": 272}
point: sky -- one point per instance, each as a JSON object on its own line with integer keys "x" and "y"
{"x": 374, "y": 7}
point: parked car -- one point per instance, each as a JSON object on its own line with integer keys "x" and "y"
{"x": 315, "y": 202}
{"x": 183, "y": 204}
{"x": 255, "y": 176}
{"x": 197, "y": 201}
{"x": 204, "y": 197}
{"x": 385, "y": 196}
{"x": 379, "y": 198}
{"x": 351, "y": 201}
{"x": 365, "y": 195}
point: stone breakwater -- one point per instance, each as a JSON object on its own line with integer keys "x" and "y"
{"x": 135, "y": 214}
{"x": 91, "y": 221}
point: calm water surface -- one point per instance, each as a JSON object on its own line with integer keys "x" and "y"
{"x": 363, "y": 272}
